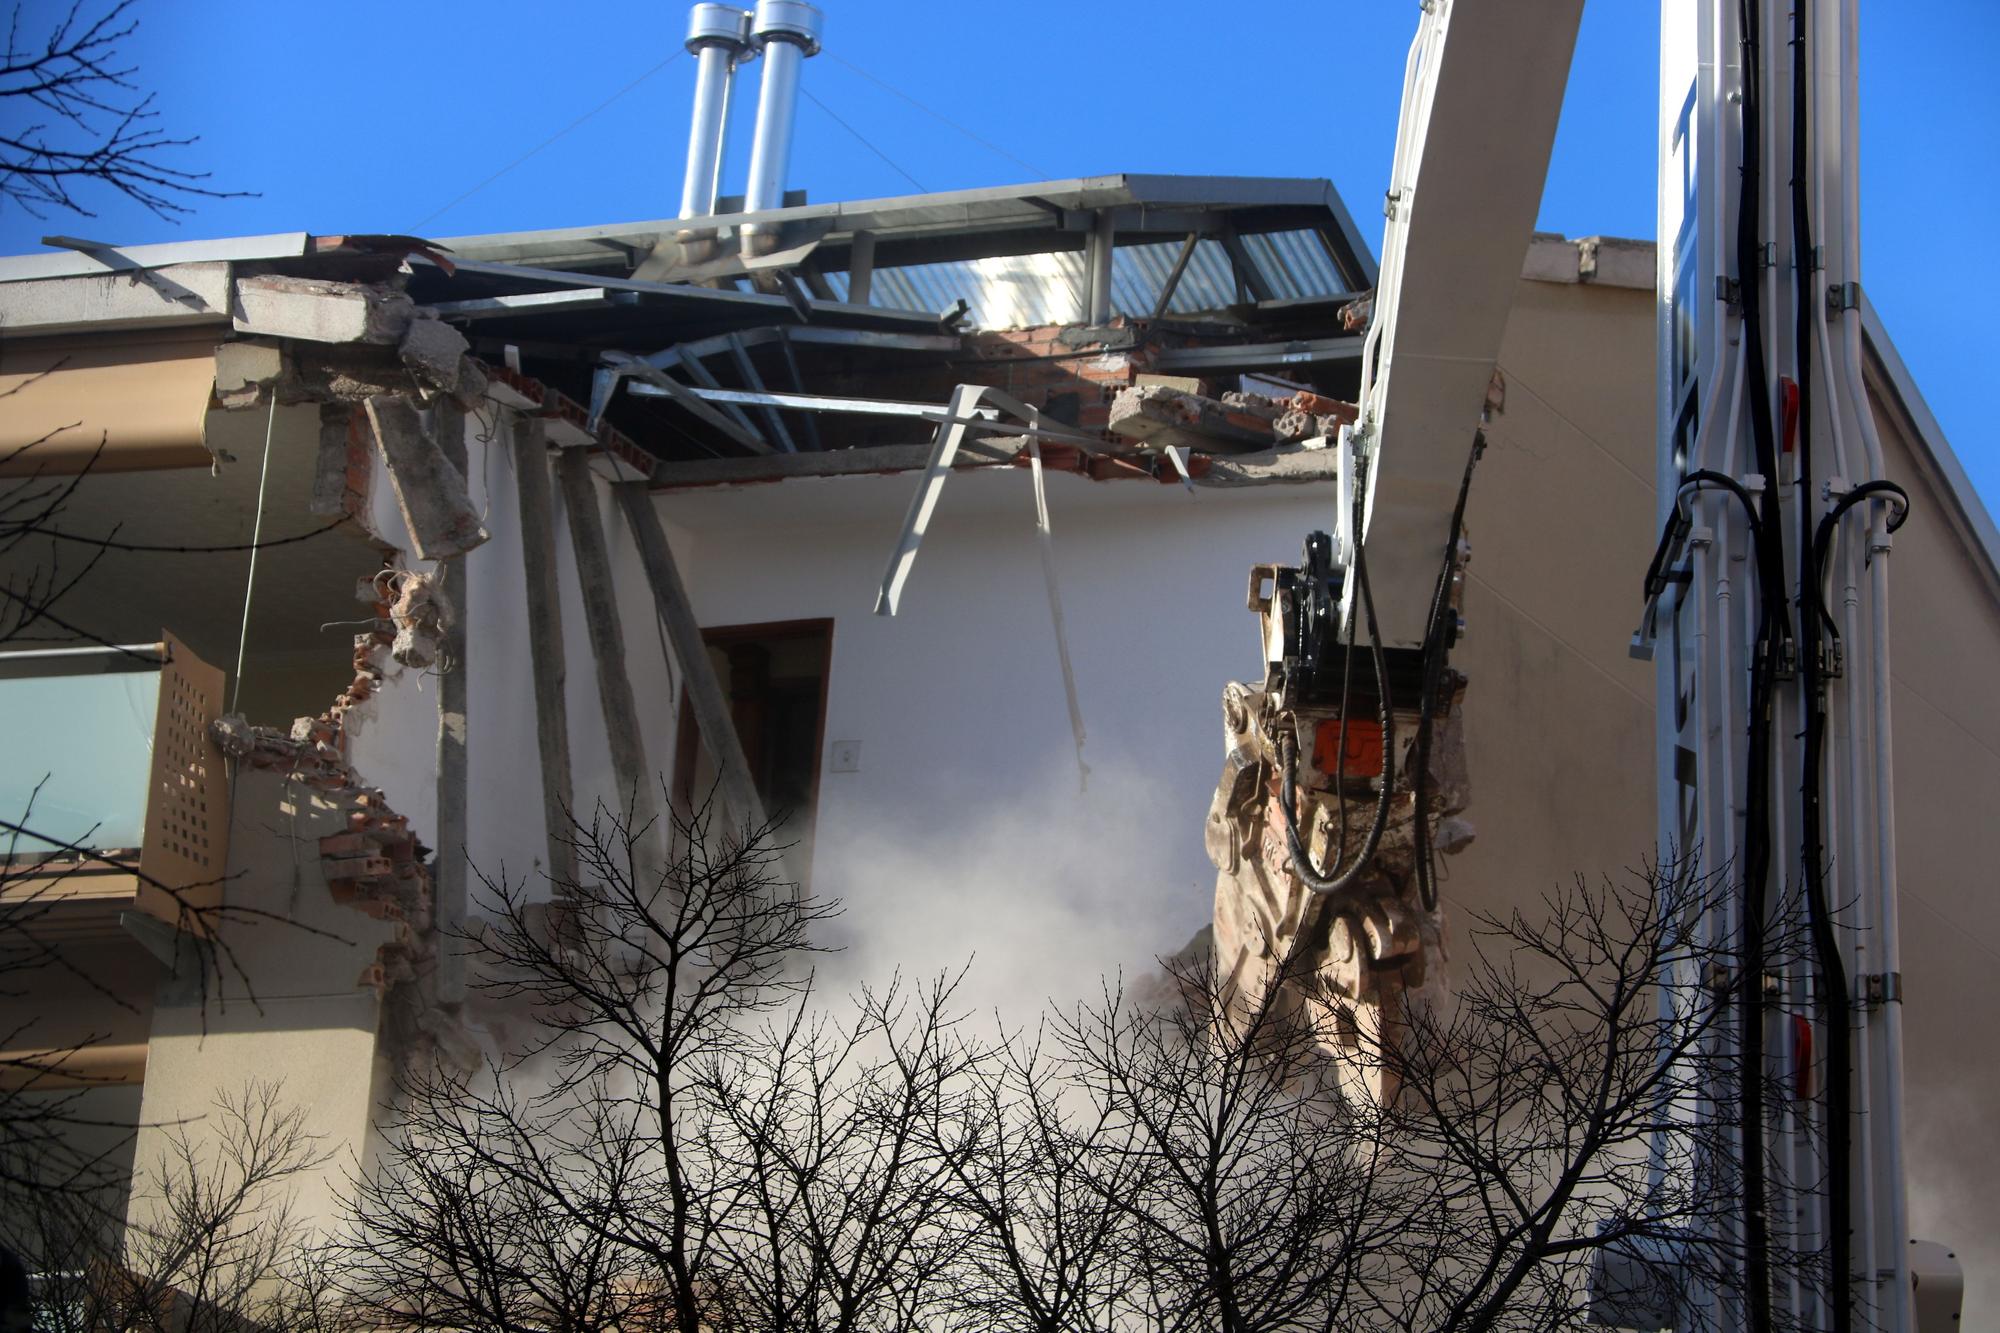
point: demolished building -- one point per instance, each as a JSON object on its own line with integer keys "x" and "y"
{"x": 608, "y": 517}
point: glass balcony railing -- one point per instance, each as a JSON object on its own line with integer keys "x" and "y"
{"x": 76, "y": 747}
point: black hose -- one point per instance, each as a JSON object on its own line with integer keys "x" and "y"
{"x": 1703, "y": 480}
{"x": 1822, "y": 545}
{"x": 1340, "y": 741}
{"x": 1831, "y": 992}
{"x": 1764, "y": 669}
{"x": 1434, "y": 653}
{"x": 1340, "y": 879}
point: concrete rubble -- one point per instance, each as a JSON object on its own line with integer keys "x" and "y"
{"x": 1160, "y": 415}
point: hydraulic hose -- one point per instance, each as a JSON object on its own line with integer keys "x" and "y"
{"x": 1764, "y": 665}
{"x": 1340, "y": 879}
{"x": 1433, "y": 677}
{"x": 1831, "y": 991}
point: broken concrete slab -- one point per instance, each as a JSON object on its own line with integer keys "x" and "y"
{"x": 430, "y": 492}
{"x": 1253, "y": 404}
{"x": 319, "y": 310}
{"x": 1156, "y": 416}
{"x": 434, "y": 351}
{"x": 170, "y": 296}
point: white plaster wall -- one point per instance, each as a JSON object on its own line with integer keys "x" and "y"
{"x": 394, "y": 741}
{"x": 298, "y": 1016}
{"x": 964, "y": 831}
{"x": 319, "y": 1052}
{"x": 505, "y": 836}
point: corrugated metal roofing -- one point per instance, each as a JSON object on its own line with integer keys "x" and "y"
{"x": 1015, "y": 291}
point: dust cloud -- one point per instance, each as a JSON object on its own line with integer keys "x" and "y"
{"x": 1046, "y": 896}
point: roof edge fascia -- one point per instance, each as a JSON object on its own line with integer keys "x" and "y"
{"x": 1931, "y": 441}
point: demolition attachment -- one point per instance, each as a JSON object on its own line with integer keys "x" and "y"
{"x": 1344, "y": 775}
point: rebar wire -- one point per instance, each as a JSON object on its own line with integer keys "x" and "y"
{"x": 865, "y": 141}
{"x": 601, "y": 106}
{"x": 256, "y": 536}
{"x": 933, "y": 112}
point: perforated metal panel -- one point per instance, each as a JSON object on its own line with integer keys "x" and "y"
{"x": 187, "y": 801}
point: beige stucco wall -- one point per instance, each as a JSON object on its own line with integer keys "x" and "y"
{"x": 1945, "y": 633}
{"x": 297, "y": 1017}
{"x": 1559, "y": 717}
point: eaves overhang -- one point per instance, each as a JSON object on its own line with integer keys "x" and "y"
{"x": 100, "y": 260}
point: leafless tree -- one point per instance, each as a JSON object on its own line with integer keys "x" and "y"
{"x": 76, "y": 119}
{"x": 685, "y": 1137}
{"x": 850, "y": 1221}
{"x": 213, "y": 1247}
{"x": 580, "y": 1176}
{"x": 1163, "y": 1169}
{"x": 688, "y": 1137}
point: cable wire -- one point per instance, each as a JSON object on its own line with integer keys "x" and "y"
{"x": 865, "y": 141}
{"x": 237, "y": 548}
{"x": 601, "y": 106}
{"x": 935, "y": 114}
{"x": 256, "y": 538}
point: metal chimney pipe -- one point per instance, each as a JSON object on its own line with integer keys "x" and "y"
{"x": 787, "y": 31}
{"x": 719, "y": 39}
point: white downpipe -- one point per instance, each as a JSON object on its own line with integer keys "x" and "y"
{"x": 1845, "y": 820}
{"x": 1895, "y": 1243}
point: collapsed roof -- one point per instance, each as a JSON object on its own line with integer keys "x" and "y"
{"x": 856, "y": 325}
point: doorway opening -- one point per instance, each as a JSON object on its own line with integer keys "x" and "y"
{"x": 775, "y": 678}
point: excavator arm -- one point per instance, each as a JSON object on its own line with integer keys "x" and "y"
{"x": 1345, "y": 775}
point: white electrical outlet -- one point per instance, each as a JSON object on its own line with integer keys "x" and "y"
{"x": 847, "y": 756}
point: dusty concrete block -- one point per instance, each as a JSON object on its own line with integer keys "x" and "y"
{"x": 430, "y": 492}
{"x": 319, "y": 311}
{"x": 1253, "y": 404}
{"x": 433, "y": 350}
{"x": 1184, "y": 383}
{"x": 242, "y": 369}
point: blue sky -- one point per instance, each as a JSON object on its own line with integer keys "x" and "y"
{"x": 375, "y": 116}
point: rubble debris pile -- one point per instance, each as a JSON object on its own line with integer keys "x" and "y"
{"x": 1159, "y": 415}
{"x": 376, "y": 864}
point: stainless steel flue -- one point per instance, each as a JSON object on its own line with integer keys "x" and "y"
{"x": 719, "y": 38}
{"x": 787, "y": 31}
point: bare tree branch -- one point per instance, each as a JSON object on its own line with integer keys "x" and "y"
{"x": 77, "y": 121}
